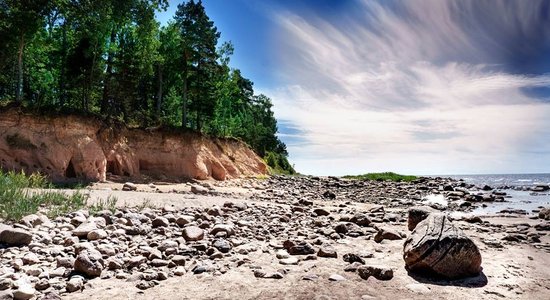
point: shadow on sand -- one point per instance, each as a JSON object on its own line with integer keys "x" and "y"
{"x": 469, "y": 282}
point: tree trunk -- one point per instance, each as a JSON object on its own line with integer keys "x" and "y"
{"x": 107, "y": 82}
{"x": 184, "y": 96}
{"x": 159, "y": 92}
{"x": 62, "y": 92}
{"x": 20, "y": 70}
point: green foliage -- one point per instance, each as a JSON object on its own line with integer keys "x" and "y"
{"x": 278, "y": 164}
{"x": 104, "y": 204}
{"x": 389, "y": 176}
{"x": 112, "y": 59}
{"x": 18, "y": 199}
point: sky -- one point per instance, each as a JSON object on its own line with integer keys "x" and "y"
{"x": 420, "y": 87}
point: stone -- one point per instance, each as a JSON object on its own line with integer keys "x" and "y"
{"x": 129, "y": 186}
{"x": 378, "y": 272}
{"x": 321, "y": 212}
{"x": 160, "y": 222}
{"x": 197, "y": 189}
{"x": 30, "y": 258}
{"x": 289, "y": 261}
{"x": 282, "y": 254}
{"x": 351, "y": 258}
{"x": 178, "y": 260}
{"x": 417, "y": 214}
{"x": 83, "y": 229}
{"x": 386, "y": 234}
{"x": 327, "y": 251}
{"x": 310, "y": 277}
{"x": 14, "y": 236}
{"x": 544, "y": 213}
{"x": 76, "y": 283}
{"x": 193, "y": 233}
{"x": 89, "y": 262}
{"x": 144, "y": 285}
{"x": 336, "y": 277}
{"x": 298, "y": 248}
{"x": 228, "y": 229}
{"x": 96, "y": 234}
{"x": 352, "y": 267}
{"x": 222, "y": 245}
{"x": 437, "y": 247}
{"x": 25, "y": 291}
{"x": 360, "y": 219}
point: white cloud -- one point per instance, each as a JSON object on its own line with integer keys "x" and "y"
{"x": 383, "y": 92}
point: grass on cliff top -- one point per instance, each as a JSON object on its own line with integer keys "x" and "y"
{"x": 18, "y": 199}
{"x": 386, "y": 176}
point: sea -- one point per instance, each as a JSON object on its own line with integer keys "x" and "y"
{"x": 516, "y": 187}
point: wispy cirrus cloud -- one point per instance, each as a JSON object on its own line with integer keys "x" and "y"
{"x": 416, "y": 86}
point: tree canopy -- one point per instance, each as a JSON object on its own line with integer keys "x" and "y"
{"x": 112, "y": 58}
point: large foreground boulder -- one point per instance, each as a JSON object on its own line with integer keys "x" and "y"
{"x": 437, "y": 248}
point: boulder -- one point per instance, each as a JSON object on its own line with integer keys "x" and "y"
{"x": 14, "y": 236}
{"x": 193, "y": 233}
{"x": 545, "y": 213}
{"x": 89, "y": 262}
{"x": 378, "y": 272}
{"x": 386, "y": 234}
{"x": 129, "y": 186}
{"x": 437, "y": 248}
{"x": 417, "y": 214}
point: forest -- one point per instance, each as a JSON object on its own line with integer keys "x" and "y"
{"x": 114, "y": 60}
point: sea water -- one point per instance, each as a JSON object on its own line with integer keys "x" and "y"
{"x": 517, "y": 199}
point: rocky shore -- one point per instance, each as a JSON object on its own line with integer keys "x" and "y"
{"x": 283, "y": 237}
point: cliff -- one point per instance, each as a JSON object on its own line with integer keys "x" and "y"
{"x": 73, "y": 147}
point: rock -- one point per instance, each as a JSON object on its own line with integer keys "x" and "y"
{"x": 197, "y": 189}
{"x": 486, "y": 188}
{"x": 386, "y": 234}
{"x": 380, "y": 273}
{"x": 418, "y": 288}
{"x": 89, "y": 262}
{"x": 30, "y": 258}
{"x": 83, "y": 229}
{"x": 361, "y": 219}
{"x": 228, "y": 229}
{"x": 437, "y": 247}
{"x": 351, "y": 258}
{"x": 193, "y": 233}
{"x": 222, "y": 245}
{"x": 321, "y": 212}
{"x": 160, "y": 222}
{"x": 178, "y": 260}
{"x": 310, "y": 277}
{"x": 298, "y": 248}
{"x": 336, "y": 277}
{"x": 540, "y": 188}
{"x": 96, "y": 234}
{"x": 329, "y": 195}
{"x": 282, "y": 254}
{"x": 144, "y": 285}
{"x": 129, "y": 186}
{"x": 545, "y": 226}
{"x": 14, "y": 236}
{"x": 76, "y": 283}
{"x": 352, "y": 267}
{"x": 417, "y": 214}
{"x": 327, "y": 251}
{"x": 24, "y": 292}
{"x": 544, "y": 213}
{"x": 289, "y": 261}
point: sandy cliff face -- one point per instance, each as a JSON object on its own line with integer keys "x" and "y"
{"x": 68, "y": 147}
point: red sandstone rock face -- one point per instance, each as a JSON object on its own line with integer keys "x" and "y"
{"x": 74, "y": 147}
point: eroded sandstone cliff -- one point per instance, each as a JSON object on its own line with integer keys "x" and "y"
{"x": 74, "y": 147}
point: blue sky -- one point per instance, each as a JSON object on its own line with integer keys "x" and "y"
{"x": 419, "y": 87}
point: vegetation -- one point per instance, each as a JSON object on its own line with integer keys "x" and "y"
{"x": 17, "y": 199}
{"x": 112, "y": 59}
{"x": 390, "y": 176}
{"x": 278, "y": 164}
{"x": 104, "y": 204}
